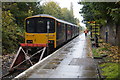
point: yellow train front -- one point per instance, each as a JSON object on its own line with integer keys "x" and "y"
{"x": 46, "y": 29}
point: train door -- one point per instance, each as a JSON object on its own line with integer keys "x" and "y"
{"x": 60, "y": 32}
{"x": 66, "y": 32}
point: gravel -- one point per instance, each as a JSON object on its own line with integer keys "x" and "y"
{"x": 6, "y": 62}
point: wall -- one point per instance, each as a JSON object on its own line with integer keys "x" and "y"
{"x": 113, "y": 33}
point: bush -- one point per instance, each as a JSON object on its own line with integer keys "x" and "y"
{"x": 111, "y": 71}
{"x": 11, "y": 33}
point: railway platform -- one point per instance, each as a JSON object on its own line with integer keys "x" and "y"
{"x": 73, "y": 60}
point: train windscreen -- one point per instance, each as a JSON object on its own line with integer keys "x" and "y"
{"x": 39, "y": 25}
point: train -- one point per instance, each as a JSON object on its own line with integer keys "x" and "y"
{"x": 43, "y": 30}
{"x": 46, "y": 29}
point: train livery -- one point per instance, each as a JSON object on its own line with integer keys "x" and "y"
{"x": 46, "y": 29}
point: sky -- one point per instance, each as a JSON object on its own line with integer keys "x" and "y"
{"x": 76, "y": 7}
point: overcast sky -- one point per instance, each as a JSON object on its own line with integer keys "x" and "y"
{"x": 67, "y": 3}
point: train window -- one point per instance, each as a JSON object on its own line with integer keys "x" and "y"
{"x": 30, "y": 26}
{"x": 39, "y": 25}
{"x": 52, "y": 25}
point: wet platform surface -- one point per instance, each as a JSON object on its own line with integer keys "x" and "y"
{"x": 72, "y": 61}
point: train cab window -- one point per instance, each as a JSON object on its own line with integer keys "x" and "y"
{"x": 39, "y": 25}
{"x": 30, "y": 23}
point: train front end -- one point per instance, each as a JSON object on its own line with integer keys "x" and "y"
{"x": 40, "y": 30}
{"x": 40, "y": 33}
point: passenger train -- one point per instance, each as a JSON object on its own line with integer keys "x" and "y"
{"x": 46, "y": 29}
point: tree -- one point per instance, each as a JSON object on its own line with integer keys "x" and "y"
{"x": 11, "y": 33}
{"x": 100, "y": 12}
{"x": 104, "y": 13}
{"x": 66, "y": 14}
{"x": 13, "y": 16}
{"x": 52, "y": 8}
{"x": 21, "y": 10}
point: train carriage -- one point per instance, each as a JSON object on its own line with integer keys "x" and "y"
{"x": 58, "y": 33}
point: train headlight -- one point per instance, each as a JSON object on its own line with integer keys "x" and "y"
{"x": 29, "y": 41}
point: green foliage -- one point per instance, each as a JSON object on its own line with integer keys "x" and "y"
{"x": 67, "y": 15}
{"x": 101, "y": 12}
{"x": 21, "y": 10}
{"x": 110, "y": 70}
{"x": 13, "y": 16}
{"x": 103, "y": 49}
{"x": 95, "y": 53}
{"x": 115, "y": 14}
{"x": 98, "y": 52}
{"x": 53, "y": 8}
{"x": 11, "y": 33}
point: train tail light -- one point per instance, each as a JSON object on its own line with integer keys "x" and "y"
{"x": 50, "y": 41}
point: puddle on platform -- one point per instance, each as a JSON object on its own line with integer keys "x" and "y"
{"x": 75, "y": 61}
{"x": 54, "y": 62}
{"x": 72, "y": 50}
{"x": 57, "y": 59}
{"x": 70, "y": 46}
{"x": 88, "y": 74}
{"x": 61, "y": 56}
{"x": 42, "y": 71}
{"x": 88, "y": 67}
{"x": 50, "y": 66}
{"x": 67, "y": 49}
{"x": 63, "y": 53}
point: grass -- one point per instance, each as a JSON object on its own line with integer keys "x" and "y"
{"x": 103, "y": 49}
{"x": 110, "y": 70}
{"x": 95, "y": 53}
{"x": 108, "y": 59}
{"x": 112, "y": 63}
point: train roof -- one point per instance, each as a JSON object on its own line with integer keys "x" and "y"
{"x": 46, "y": 15}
